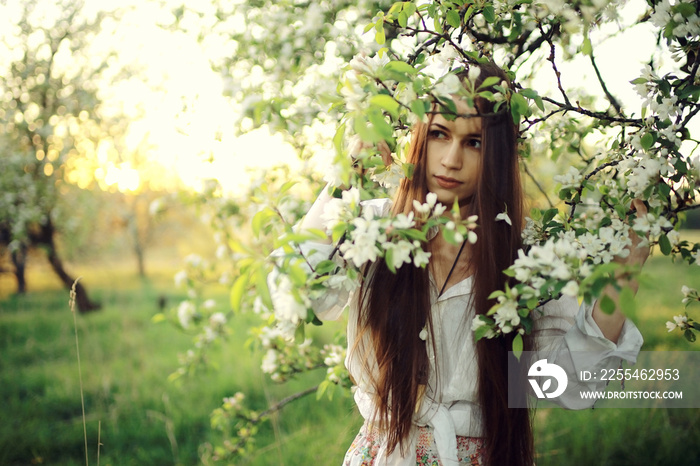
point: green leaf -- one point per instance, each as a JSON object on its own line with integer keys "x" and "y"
{"x": 395, "y": 8}
{"x": 260, "y": 218}
{"x": 387, "y": 103}
{"x": 403, "y": 19}
{"x": 518, "y": 346}
{"x": 338, "y": 138}
{"x": 400, "y": 67}
{"x": 665, "y": 245}
{"x": 489, "y": 14}
{"x": 361, "y": 127}
{"x": 320, "y": 234}
{"x": 160, "y": 317}
{"x": 300, "y": 334}
{"x": 648, "y": 140}
{"x": 638, "y": 81}
{"x": 237, "y": 290}
{"x": 586, "y": 47}
{"x": 481, "y": 332}
{"x": 607, "y": 304}
{"x": 689, "y": 335}
{"x": 453, "y": 18}
{"x": 297, "y": 274}
{"x": 449, "y": 108}
{"x": 627, "y": 302}
{"x": 368, "y": 27}
{"x": 549, "y": 215}
{"x": 414, "y": 234}
{"x": 322, "y": 387}
{"x": 261, "y": 287}
{"x": 383, "y": 129}
{"x": 389, "y": 260}
{"x": 490, "y": 81}
{"x": 379, "y": 37}
{"x": 518, "y": 107}
{"x": 496, "y": 294}
{"x": 418, "y": 107}
{"x": 685, "y": 9}
{"x": 326, "y": 266}
{"x": 409, "y": 8}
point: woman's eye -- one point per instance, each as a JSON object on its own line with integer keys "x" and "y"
{"x": 474, "y": 142}
{"x": 436, "y": 134}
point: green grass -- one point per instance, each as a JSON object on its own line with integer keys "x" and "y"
{"x": 126, "y": 359}
{"x": 619, "y": 437}
{"x": 146, "y": 420}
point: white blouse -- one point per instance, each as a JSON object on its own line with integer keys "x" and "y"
{"x": 450, "y": 407}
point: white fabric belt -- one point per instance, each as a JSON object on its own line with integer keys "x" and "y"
{"x": 447, "y": 421}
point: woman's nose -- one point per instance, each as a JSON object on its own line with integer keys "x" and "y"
{"x": 452, "y": 158}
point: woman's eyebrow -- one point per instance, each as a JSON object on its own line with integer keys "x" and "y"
{"x": 472, "y": 133}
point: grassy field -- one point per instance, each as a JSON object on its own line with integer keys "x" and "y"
{"x": 146, "y": 420}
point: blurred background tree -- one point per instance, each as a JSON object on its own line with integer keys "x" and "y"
{"x": 50, "y": 113}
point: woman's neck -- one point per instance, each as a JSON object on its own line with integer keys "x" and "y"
{"x": 443, "y": 256}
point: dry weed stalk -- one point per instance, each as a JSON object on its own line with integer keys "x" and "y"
{"x": 71, "y": 303}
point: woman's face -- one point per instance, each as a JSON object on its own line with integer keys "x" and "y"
{"x": 453, "y": 156}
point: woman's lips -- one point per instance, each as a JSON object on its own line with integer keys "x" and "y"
{"x": 447, "y": 183}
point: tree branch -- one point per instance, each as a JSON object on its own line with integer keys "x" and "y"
{"x": 539, "y": 186}
{"x": 613, "y": 101}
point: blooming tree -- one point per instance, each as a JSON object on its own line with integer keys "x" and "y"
{"x": 50, "y": 115}
{"x": 617, "y": 153}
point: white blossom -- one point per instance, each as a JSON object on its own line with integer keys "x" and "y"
{"x": 362, "y": 246}
{"x": 423, "y": 335}
{"x": 209, "y": 304}
{"x": 572, "y": 178}
{"x": 185, "y": 313}
{"x": 507, "y": 315}
{"x": 389, "y": 178}
{"x": 217, "y": 320}
{"x": 333, "y": 355}
{"x": 570, "y": 289}
{"x": 504, "y": 217}
{"x": 180, "y": 278}
{"x": 368, "y": 65}
{"x": 269, "y": 362}
{"x": 448, "y": 85}
{"x": 696, "y": 255}
{"x": 287, "y": 308}
{"x": 420, "y": 257}
{"x": 234, "y": 402}
{"x": 477, "y": 322}
{"x": 680, "y": 322}
{"x": 193, "y": 260}
{"x": 403, "y": 221}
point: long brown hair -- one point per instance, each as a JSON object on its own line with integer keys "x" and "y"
{"x": 395, "y": 307}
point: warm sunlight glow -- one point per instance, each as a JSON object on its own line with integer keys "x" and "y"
{"x": 123, "y": 177}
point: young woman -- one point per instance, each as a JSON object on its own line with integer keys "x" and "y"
{"x": 442, "y": 399}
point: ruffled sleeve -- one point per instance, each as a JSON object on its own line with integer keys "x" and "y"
{"x": 566, "y": 334}
{"x": 330, "y": 304}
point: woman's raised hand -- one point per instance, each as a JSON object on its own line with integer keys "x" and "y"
{"x": 638, "y": 255}
{"x": 382, "y": 147}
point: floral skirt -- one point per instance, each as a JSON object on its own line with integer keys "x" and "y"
{"x": 365, "y": 447}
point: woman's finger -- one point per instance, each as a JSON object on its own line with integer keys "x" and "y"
{"x": 640, "y": 207}
{"x": 385, "y": 153}
{"x": 637, "y": 256}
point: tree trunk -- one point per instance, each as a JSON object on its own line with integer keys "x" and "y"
{"x": 46, "y": 238}
{"x": 19, "y": 260}
{"x": 138, "y": 244}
